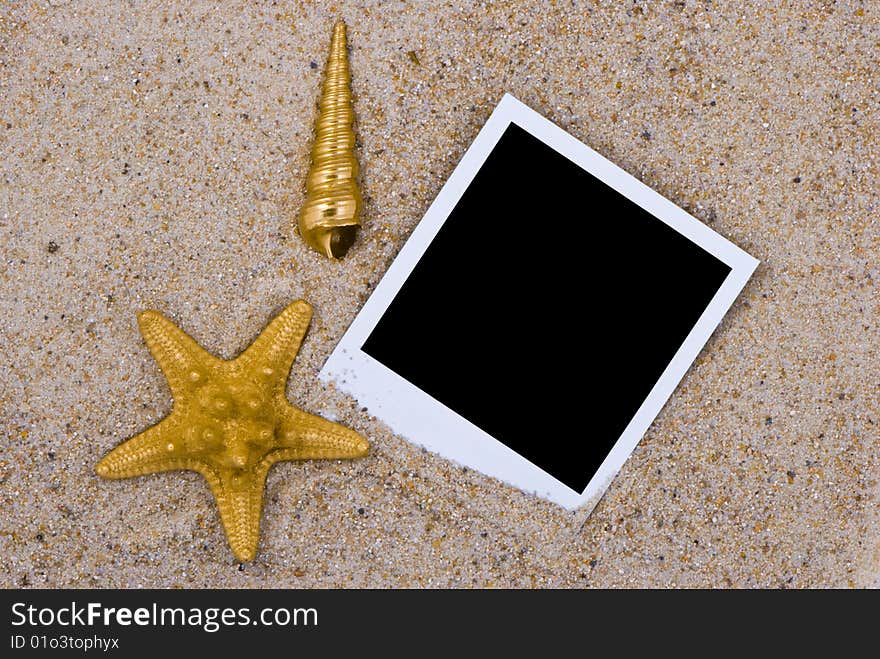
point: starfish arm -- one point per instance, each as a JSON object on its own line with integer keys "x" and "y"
{"x": 156, "y": 449}
{"x": 183, "y": 361}
{"x": 239, "y": 499}
{"x": 306, "y": 436}
{"x": 273, "y": 351}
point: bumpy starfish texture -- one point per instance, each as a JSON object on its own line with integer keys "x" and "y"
{"x": 231, "y": 420}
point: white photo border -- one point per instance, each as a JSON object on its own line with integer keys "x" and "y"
{"x": 412, "y": 413}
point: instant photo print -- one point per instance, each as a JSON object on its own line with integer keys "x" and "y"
{"x": 541, "y": 313}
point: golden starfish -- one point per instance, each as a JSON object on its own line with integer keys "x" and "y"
{"x": 231, "y": 420}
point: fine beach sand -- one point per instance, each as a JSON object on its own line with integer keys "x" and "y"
{"x": 153, "y": 156}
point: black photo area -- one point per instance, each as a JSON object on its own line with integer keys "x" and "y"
{"x": 546, "y": 308}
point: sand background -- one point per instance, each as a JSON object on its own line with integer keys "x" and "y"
{"x": 153, "y": 155}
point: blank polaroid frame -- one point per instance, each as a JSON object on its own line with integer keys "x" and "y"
{"x": 443, "y": 324}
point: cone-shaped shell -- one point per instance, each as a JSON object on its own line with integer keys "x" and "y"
{"x": 328, "y": 220}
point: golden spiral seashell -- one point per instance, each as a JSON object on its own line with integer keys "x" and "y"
{"x": 329, "y": 220}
